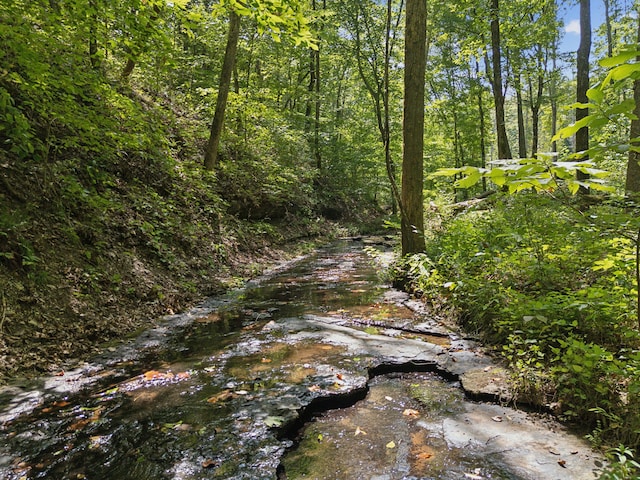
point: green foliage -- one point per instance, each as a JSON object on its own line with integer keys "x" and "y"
{"x": 554, "y": 288}
{"x": 623, "y": 465}
{"x": 540, "y": 174}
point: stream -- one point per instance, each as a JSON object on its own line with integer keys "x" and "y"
{"x": 317, "y": 370}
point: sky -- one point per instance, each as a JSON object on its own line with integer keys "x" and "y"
{"x": 571, "y": 19}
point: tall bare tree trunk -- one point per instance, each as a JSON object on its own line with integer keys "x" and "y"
{"x": 607, "y": 25}
{"x": 553, "y": 95}
{"x": 413, "y": 127}
{"x": 93, "y": 34}
{"x": 522, "y": 139}
{"x": 211, "y": 153}
{"x": 504, "y": 151}
{"x": 483, "y": 149}
{"x": 582, "y": 81}
{"x": 632, "y": 183}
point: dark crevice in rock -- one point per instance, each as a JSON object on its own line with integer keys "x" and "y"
{"x": 413, "y": 366}
{"x": 319, "y": 405}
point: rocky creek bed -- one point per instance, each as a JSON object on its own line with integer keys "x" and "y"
{"x": 315, "y": 371}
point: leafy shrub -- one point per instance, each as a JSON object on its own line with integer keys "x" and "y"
{"x": 554, "y": 287}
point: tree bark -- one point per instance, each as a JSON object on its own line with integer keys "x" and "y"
{"x": 582, "y": 81}
{"x": 522, "y": 140}
{"x": 483, "y": 150}
{"x": 504, "y": 151}
{"x": 535, "y": 97}
{"x": 553, "y": 95}
{"x": 632, "y": 181}
{"x": 93, "y": 35}
{"x": 413, "y": 128}
{"x": 607, "y": 24}
{"x": 211, "y": 154}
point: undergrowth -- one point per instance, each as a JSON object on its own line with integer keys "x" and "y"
{"x": 551, "y": 285}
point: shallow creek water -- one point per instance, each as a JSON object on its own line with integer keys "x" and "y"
{"x": 315, "y": 371}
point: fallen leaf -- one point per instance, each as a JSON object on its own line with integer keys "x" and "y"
{"x": 153, "y": 375}
{"x": 320, "y": 437}
{"x": 339, "y": 376}
{"x": 424, "y": 455}
{"x": 410, "y": 412}
{"x": 473, "y": 476}
{"x": 266, "y": 360}
{"x": 59, "y": 374}
{"x": 273, "y": 421}
{"x": 553, "y": 451}
{"x": 496, "y": 419}
{"x": 208, "y": 463}
{"x": 562, "y": 463}
{"x": 220, "y": 397}
{"x": 391, "y": 444}
{"x": 359, "y": 431}
{"x": 79, "y": 425}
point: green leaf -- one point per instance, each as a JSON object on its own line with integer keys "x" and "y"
{"x": 595, "y": 94}
{"x": 618, "y": 59}
{"x": 624, "y": 71}
{"x": 469, "y": 180}
{"x": 446, "y": 172}
{"x": 571, "y": 130}
{"x": 626, "y": 106}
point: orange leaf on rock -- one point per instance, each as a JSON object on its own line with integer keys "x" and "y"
{"x": 410, "y": 412}
{"x": 208, "y": 463}
{"x": 153, "y": 375}
{"x": 220, "y": 397}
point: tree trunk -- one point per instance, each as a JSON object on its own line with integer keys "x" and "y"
{"x": 413, "y": 128}
{"x": 632, "y": 183}
{"x": 316, "y": 125}
{"x": 129, "y": 66}
{"x": 93, "y": 35}
{"x": 522, "y": 140}
{"x": 607, "y": 24}
{"x": 553, "y": 95}
{"x": 483, "y": 149}
{"x": 536, "y": 100}
{"x": 582, "y": 81}
{"x": 386, "y": 134}
{"x": 504, "y": 151}
{"x": 211, "y": 153}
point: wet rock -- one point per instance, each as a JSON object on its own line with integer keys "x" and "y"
{"x": 488, "y": 383}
